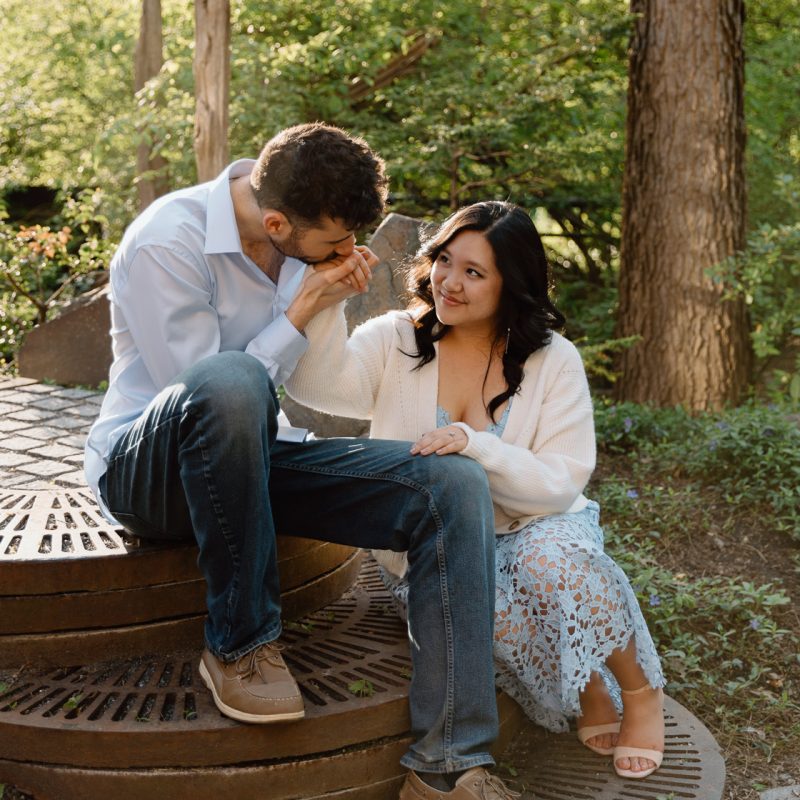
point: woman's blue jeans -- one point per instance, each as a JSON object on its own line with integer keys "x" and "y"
{"x": 202, "y": 462}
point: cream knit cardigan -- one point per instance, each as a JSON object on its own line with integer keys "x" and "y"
{"x": 539, "y": 466}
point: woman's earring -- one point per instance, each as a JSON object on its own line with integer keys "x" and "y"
{"x": 508, "y": 338}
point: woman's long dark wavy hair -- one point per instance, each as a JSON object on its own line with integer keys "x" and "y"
{"x": 525, "y": 316}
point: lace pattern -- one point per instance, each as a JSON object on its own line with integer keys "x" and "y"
{"x": 562, "y": 607}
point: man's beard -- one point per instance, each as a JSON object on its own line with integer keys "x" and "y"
{"x": 292, "y": 248}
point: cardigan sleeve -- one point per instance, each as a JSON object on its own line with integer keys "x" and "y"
{"x": 341, "y": 375}
{"x": 547, "y": 477}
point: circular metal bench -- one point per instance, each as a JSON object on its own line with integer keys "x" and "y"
{"x": 99, "y": 695}
{"x": 73, "y": 587}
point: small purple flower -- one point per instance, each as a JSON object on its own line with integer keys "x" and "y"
{"x": 723, "y": 426}
{"x": 632, "y": 493}
{"x": 627, "y": 423}
{"x": 712, "y": 445}
{"x": 755, "y": 624}
{"x": 655, "y": 600}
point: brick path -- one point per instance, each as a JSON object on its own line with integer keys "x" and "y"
{"x": 42, "y": 432}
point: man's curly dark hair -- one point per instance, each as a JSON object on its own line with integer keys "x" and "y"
{"x": 313, "y": 171}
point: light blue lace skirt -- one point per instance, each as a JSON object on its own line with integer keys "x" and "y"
{"x": 563, "y": 606}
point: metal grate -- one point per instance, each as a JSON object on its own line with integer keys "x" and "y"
{"x": 563, "y": 769}
{"x": 114, "y": 722}
{"x": 347, "y": 659}
{"x": 46, "y": 525}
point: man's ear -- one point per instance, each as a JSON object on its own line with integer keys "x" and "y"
{"x": 275, "y": 223}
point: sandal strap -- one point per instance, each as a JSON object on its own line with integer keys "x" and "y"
{"x": 646, "y": 688}
{"x": 590, "y": 731}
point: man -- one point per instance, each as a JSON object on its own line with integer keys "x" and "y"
{"x": 210, "y": 294}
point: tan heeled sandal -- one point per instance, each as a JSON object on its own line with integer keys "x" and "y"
{"x": 590, "y": 731}
{"x": 622, "y": 751}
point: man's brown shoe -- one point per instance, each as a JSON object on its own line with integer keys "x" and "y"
{"x": 474, "y": 784}
{"x": 258, "y": 687}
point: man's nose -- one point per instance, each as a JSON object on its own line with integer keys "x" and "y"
{"x": 345, "y": 247}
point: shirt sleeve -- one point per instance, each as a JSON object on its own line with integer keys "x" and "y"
{"x": 278, "y": 347}
{"x": 341, "y": 375}
{"x": 166, "y": 296}
{"x": 547, "y": 477}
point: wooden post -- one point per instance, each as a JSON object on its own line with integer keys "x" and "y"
{"x": 212, "y": 73}
{"x": 148, "y": 60}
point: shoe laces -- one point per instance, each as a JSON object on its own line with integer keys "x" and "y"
{"x": 247, "y": 665}
{"x": 493, "y": 788}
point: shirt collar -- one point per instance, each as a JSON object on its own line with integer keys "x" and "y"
{"x": 222, "y": 235}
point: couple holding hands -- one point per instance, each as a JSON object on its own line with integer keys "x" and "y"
{"x": 469, "y": 490}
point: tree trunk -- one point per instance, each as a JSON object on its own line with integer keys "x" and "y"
{"x": 212, "y": 74}
{"x": 684, "y": 205}
{"x": 149, "y": 58}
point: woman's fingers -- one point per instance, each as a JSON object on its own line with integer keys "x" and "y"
{"x": 354, "y": 270}
{"x": 442, "y": 441}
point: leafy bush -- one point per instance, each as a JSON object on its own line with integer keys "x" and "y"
{"x": 624, "y": 427}
{"x": 767, "y": 275}
{"x": 42, "y": 268}
{"x": 751, "y": 453}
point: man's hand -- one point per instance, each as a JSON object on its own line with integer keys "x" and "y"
{"x": 330, "y": 282}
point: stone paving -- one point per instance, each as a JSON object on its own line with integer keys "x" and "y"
{"x": 42, "y": 432}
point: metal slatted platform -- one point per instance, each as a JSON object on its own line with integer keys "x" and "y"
{"x": 129, "y": 718}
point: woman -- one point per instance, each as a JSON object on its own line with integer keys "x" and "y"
{"x": 475, "y": 367}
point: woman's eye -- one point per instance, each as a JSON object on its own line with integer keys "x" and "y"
{"x": 474, "y": 272}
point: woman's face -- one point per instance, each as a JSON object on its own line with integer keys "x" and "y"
{"x": 466, "y": 283}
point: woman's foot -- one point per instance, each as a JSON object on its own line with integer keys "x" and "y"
{"x": 598, "y": 724}
{"x": 640, "y": 746}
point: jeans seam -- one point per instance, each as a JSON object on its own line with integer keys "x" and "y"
{"x": 378, "y": 476}
{"x": 447, "y": 744}
{"x": 225, "y": 529}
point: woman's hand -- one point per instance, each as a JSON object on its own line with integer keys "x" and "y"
{"x": 450, "y": 439}
{"x": 362, "y": 260}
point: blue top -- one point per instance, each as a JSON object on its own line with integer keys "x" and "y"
{"x": 497, "y": 428}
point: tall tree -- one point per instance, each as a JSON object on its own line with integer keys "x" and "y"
{"x": 150, "y": 167}
{"x": 684, "y": 204}
{"x": 212, "y": 76}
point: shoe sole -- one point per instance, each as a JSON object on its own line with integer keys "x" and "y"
{"x": 243, "y": 716}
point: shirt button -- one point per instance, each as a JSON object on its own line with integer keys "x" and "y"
{"x": 514, "y": 525}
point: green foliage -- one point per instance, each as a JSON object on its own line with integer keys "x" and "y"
{"x": 361, "y": 688}
{"x": 750, "y": 454}
{"x": 772, "y": 50}
{"x": 724, "y": 640}
{"x": 40, "y": 268}
{"x": 515, "y": 100}
{"x": 73, "y": 701}
{"x": 598, "y": 358}
{"x": 630, "y": 427}
{"x": 62, "y": 75}
{"x": 767, "y": 275}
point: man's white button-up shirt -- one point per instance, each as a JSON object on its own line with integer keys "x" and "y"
{"x": 183, "y": 289}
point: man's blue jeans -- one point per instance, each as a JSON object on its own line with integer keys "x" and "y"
{"x": 202, "y": 462}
